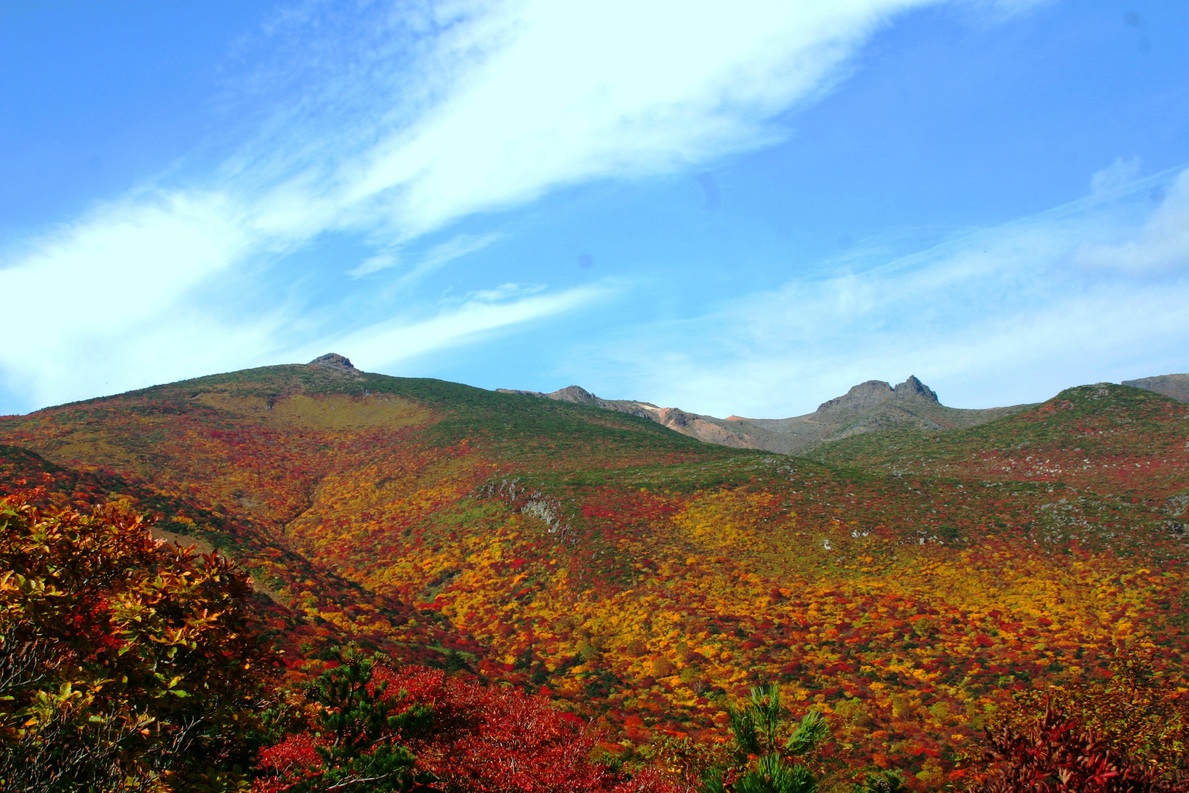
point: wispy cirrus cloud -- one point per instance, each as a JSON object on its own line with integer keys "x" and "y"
{"x": 581, "y": 93}
{"x": 462, "y": 108}
{"x": 434, "y": 259}
{"x": 394, "y": 341}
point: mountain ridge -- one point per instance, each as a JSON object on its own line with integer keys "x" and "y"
{"x": 870, "y": 406}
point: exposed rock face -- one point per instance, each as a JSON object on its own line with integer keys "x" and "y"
{"x": 1174, "y": 386}
{"x": 334, "y": 361}
{"x": 704, "y": 428}
{"x": 577, "y": 395}
{"x": 863, "y": 396}
{"x": 873, "y": 393}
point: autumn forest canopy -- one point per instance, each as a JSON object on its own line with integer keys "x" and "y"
{"x": 308, "y": 578}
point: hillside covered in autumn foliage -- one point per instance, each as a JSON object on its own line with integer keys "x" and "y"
{"x": 907, "y": 585}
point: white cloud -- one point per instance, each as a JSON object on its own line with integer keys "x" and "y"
{"x": 455, "y": 248}
{"x": 434, "y": 259}
{"x": 1161, "y": 244}
{"x": 82, "y": 297}
{"x": 409, "y": 120}
{"x": 1113, "y": 178}
{"x": 585, "y": 91}
{"x": 503, "y": 293}
{"x": 374, "y": 264}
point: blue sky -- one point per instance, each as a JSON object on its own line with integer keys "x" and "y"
{"x": 731, "y": 208}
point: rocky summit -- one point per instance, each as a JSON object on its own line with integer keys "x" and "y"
{"x": 333, "y": 360}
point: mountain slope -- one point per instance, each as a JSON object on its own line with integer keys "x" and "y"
{"x": 642, "y": 578}
{"x": 235, "y": 460}
{"x": 1175, "y": 386}
{"x": 293, "y": 591}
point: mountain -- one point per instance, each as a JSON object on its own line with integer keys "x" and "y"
{"x": 904, "y": 583}
{"x": 1175, "y": 386}
{"x": 1094, "y": 437}
{"x": 872, "y": 406}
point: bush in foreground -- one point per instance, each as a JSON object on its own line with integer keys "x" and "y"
{"x": 125, "y": 663}
{"x": 1127, "y": 735}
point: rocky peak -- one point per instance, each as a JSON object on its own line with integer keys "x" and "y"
{"x": 874, "y": 393}
{"x": 575, "y": 394}
{"x": 333, "y": 360}
{"x": 914, "y": 387}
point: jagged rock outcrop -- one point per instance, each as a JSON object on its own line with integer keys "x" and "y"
{"x": 912, "y": 387}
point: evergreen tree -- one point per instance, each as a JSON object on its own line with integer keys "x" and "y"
{"x": 770, "y": 757}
